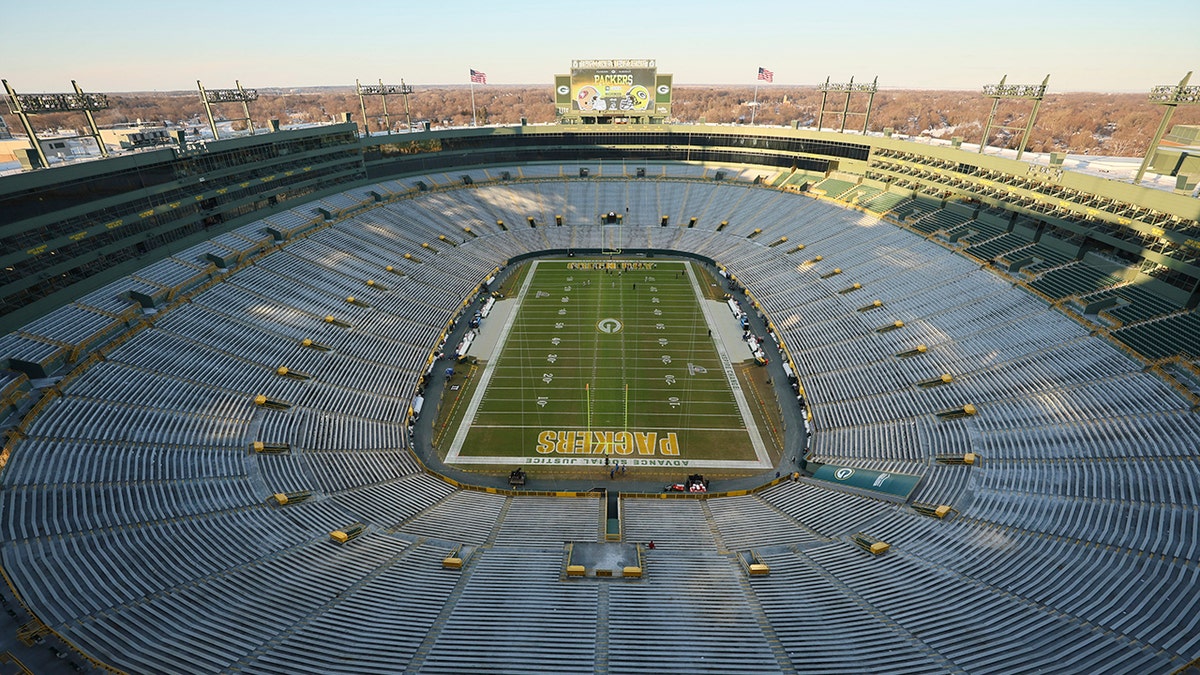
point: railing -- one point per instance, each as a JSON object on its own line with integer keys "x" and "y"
{"x": 753, "y": 564}
{"x": 614, "y": 527}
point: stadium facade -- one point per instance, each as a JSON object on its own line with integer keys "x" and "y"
{"x": 169, "y": 491}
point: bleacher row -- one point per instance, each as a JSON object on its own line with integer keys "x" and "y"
{"x": 1148, "y": 323}
{"x": 136, "y": 520}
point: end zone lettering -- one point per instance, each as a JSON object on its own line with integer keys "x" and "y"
{"x": 625, "y": 265}
{"x": 608, "y": 442}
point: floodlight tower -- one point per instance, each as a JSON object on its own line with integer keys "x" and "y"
{"x": 383, "y": 91}
{"x": 1169, "y": 96}
{"x": 849, "y": 88}
{"x": 244, "y": 96}
{"x": 405, "y": 90}
{"x": 24, "y": 105}
{"x": 1033, "y": 92}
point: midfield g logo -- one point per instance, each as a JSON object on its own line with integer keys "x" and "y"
{"x": 609, "y": 326}
{"x": 843, "y": 473}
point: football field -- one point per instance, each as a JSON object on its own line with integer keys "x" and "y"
{"x": 612, "y": 359}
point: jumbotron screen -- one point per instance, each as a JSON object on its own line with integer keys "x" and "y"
{"x": 612, "y": 90}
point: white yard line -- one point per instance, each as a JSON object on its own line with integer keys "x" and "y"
{"x": 756, "y": 441}
{"x": 481, "y": 387}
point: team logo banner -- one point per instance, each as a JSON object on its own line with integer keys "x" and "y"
{"x": 662, "y": 95}
{"x": 893, "y": 485}
{"x": 562, "y": 90}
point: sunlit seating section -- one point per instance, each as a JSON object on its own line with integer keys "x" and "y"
{"x": 832, "y": 187}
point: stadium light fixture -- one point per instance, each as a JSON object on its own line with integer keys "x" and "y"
{"x": 1031, "y": 92}
{"x": 1170, "y": 96}
{"x": 849, "y": 88}
{"x": 383, "y": 91}
{"x": 238, "y": 95}
{"x": 24, "y": 105}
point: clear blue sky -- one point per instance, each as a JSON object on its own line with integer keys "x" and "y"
{"x": 135, "y": 45}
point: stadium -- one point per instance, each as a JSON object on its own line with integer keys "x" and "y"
{"x": 285, "y": 402}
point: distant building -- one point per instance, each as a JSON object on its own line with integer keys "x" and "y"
{"x": 136, "y": 136}
{"x": 57, "y": 148}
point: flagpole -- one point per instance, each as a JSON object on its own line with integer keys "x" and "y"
{"x": 473, "y": 122}
{"x": 754, "y": 108}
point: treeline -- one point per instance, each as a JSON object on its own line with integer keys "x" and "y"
{"x": 1078, "y": 123}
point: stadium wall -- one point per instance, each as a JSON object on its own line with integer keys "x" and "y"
{"x": 69, "y": 230}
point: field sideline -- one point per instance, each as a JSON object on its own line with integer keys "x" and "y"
{"x": 614, "y": 360}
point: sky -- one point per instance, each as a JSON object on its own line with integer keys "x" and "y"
{"x": 138, "y": 45}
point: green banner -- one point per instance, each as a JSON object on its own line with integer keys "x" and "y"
{"x": 889, "y": 485}
{"x": 662, "y": 96}
{"x": 562, "y": 90}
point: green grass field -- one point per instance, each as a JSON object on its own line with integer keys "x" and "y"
{"x": 611, "y": 361}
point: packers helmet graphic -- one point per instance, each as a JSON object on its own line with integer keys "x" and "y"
{"x": 639, "y": 97}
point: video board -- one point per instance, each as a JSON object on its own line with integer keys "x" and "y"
{"x": 613, "y": 88}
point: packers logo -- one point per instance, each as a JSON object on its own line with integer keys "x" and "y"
{"x": 609, "y": 326}
{"x": 664, "y": 89}
{"x": 564, "y": 90}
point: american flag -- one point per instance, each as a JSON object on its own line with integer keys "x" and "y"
{"x": 481, "y": 78}
{"x": 764, "y": 74}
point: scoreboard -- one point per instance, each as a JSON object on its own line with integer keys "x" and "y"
{"x": 612, "y": 90}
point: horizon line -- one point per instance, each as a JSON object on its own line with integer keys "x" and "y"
{"x": 550, "y": 86}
